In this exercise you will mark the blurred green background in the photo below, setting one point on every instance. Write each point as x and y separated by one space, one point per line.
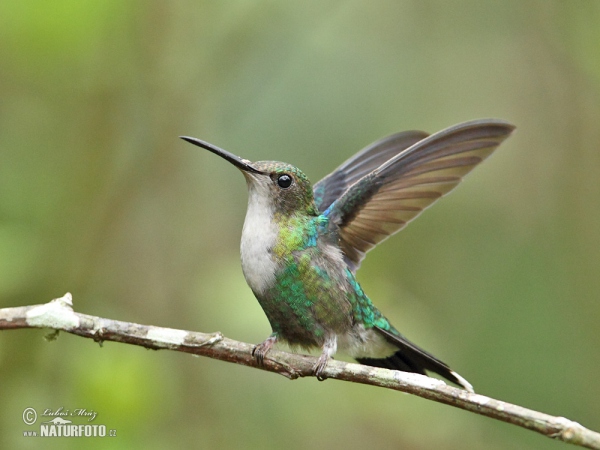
99 197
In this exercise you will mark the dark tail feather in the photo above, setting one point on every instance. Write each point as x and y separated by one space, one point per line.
410 358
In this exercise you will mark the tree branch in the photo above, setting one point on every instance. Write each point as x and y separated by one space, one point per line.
59 315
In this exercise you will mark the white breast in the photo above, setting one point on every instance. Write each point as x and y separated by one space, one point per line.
258 237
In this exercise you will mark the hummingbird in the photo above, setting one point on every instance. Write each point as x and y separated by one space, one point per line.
302 244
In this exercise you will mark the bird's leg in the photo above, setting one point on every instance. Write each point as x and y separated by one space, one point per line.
259 351
329 349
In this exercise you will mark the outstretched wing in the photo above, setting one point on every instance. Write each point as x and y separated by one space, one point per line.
364 162
383 201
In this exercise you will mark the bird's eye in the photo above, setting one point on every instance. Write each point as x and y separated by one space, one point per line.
284 181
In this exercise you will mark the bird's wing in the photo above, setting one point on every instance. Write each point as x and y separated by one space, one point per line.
364 162
383 201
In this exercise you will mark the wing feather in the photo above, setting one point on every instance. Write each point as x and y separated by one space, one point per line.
388 196
364 162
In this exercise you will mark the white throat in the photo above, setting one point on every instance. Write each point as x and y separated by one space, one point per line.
258 236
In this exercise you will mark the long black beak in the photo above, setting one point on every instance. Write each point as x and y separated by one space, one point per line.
240 163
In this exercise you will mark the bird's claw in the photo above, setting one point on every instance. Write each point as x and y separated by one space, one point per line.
320 366
260 350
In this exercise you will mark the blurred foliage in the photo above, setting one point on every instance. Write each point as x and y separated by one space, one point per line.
100 198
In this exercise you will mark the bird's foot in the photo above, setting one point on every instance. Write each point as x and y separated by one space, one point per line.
259 351
320 366
329 348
